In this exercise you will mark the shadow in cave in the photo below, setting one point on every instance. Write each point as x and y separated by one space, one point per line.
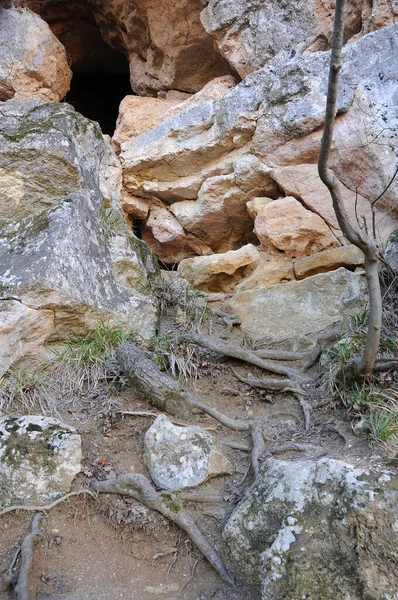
97 96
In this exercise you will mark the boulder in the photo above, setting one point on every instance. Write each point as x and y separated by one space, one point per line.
219 216
182 457
297 308
39 458
66 253
249 34
33 63
303 182
272 268
391 251
167 238
321 529
290 227
328 260
219 272
270 122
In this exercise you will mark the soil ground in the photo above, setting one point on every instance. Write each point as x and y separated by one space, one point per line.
116 549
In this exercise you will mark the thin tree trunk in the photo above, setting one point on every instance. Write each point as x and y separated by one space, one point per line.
362 366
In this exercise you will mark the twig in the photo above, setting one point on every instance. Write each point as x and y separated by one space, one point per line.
22 586
186 584
32 508
138 487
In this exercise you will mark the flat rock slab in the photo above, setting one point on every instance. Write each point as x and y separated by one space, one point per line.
39 458
295 309
317 529
182 457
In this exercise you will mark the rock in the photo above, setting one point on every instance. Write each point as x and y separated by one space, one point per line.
64 245
22 330
273 121
165 43
303 182
39 458
255 206
219 272
272 268
138 114
33 63
219 216
298 308
182 457
288 226
167 239
321 529
328 260
249 34
134 206
391 251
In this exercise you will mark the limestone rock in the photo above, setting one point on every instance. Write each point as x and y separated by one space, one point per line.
288 226
296 529
39 458
134 206
303 182
33 63
166 237
219 272
219 216
391 251
249 34
182 457
22 330
328 260
64 246
297 308
272 268
255 206
274 118
164 42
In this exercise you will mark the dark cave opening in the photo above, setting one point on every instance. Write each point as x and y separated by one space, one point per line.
101 75
97 96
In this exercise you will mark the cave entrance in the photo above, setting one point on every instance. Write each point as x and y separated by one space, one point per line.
101 77
97 96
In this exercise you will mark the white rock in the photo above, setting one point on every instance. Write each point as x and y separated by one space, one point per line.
182 457
39 458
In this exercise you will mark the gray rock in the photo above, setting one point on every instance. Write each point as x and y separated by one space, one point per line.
317 530
64 246
182 457
39 458
297 308
391 251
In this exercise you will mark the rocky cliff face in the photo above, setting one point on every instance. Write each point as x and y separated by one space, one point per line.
217 150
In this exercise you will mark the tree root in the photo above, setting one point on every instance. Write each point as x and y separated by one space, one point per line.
167 504
249 356
228 319
22 586
272 385
31 508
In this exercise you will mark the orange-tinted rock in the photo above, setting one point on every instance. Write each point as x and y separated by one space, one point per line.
328 260
219 272
292 228
33 63
272 269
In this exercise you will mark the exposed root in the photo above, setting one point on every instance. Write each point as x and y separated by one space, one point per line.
258 449
249 356
32 508
385 364
307 411
335 429
228 319
186 584
167 504
22 586
272 385
293 447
